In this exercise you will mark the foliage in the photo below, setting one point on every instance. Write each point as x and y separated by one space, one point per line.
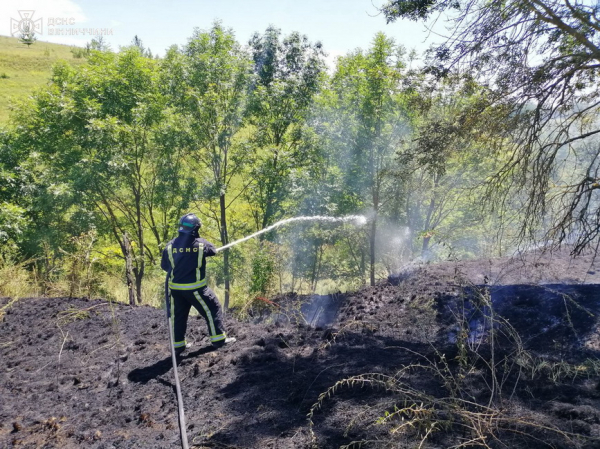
263 271
100 160
446 162
374 121
540 58
122 146
207 83
288 76
27 37
137 42
12 222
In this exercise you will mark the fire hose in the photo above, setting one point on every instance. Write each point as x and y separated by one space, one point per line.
182 430
358 219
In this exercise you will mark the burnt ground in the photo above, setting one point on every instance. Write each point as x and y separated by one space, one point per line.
402 364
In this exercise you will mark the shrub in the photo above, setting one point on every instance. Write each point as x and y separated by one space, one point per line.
263 271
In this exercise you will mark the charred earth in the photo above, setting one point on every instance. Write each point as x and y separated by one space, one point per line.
499 353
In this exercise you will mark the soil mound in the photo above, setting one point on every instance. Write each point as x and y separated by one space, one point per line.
353 367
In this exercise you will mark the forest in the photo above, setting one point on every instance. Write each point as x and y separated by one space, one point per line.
483 147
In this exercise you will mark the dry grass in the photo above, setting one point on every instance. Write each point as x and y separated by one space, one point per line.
16 281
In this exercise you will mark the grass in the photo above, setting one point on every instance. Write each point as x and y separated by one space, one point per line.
16 281
23 69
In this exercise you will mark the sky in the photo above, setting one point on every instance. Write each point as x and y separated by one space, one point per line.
340 25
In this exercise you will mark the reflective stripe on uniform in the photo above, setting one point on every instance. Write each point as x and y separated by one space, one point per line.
218 338
200 254
179 344
172 262
209 317
170 252
193 286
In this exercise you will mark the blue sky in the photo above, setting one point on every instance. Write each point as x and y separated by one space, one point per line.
341 25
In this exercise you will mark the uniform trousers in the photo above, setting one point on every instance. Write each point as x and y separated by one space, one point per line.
206 303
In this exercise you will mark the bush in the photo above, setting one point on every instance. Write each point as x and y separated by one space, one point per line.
79 52
263 271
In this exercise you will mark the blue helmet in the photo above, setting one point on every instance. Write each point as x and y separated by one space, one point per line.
189 224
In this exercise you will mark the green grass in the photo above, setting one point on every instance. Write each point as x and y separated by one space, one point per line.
23 69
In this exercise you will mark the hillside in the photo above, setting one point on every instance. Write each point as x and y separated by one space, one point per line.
24 68
81 373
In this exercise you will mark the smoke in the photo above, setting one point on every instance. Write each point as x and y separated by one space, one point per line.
394 245
321 310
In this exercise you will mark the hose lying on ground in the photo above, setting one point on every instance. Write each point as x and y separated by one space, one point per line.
182 431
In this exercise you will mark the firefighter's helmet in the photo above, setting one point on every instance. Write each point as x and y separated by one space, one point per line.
190 224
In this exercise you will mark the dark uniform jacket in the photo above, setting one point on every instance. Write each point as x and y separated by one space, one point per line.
185 256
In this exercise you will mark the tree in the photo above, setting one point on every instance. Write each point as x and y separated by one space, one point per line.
98 139
288 76
12 181
371 101
542 58
137 42
98 44
207 83
27 37
456 129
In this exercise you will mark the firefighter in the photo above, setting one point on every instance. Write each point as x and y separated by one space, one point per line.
185 258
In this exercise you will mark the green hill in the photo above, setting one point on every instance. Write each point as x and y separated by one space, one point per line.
23 68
